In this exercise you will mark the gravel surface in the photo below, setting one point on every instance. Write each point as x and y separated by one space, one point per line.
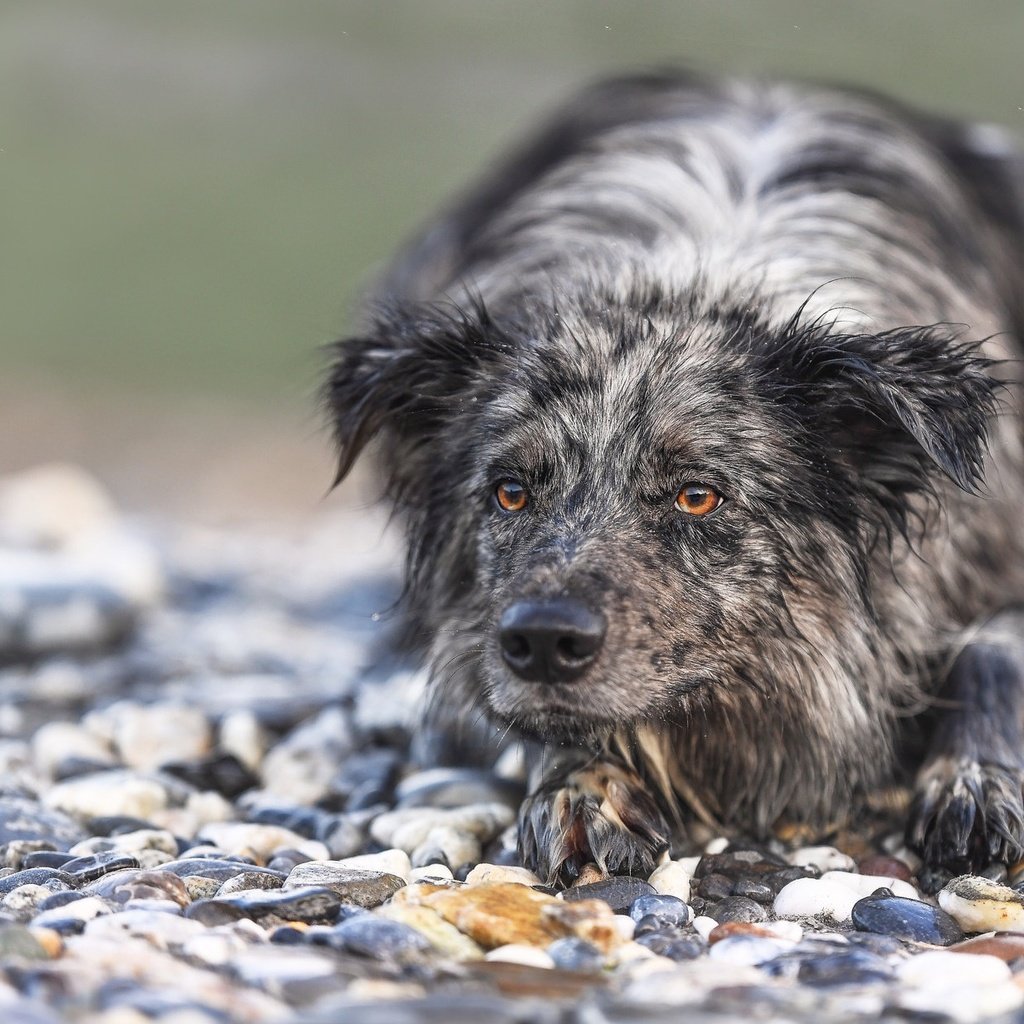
213 808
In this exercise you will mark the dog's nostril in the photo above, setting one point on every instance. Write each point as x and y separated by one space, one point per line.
550 641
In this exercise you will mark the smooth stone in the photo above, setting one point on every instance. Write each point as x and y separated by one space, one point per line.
285 861
714 887
409 827
80 911
757 891
1008 946
435 872
945 968
502 913
573 954
391 862
36 876
55 742
704 926
134 841
129 884
210 867
980 905
160 929
729 929
449 845
116 792
44 859
457 787
906 919
738 864
666 910
674 945
619 892
249 880
748 949
302 766
24 901
366 778
823 858
671 879
360 887
13 854
442 934
19 943
865 885
886 867
778 880
501 873
848 967
260 842
813 897
221 773
739 908
60 899
309 904
87 869
379 938
241 735
23 819
519 954
147 736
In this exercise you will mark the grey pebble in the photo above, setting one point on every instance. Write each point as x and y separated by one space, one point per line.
22 819
377 938
905 919
86 869
307 904
619 892
739 908
574 954
665 910
128 884
353 885
248 880
37 876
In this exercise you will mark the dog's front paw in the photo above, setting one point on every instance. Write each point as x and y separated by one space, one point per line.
967 814
600 813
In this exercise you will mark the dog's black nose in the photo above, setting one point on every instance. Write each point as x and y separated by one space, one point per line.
550 641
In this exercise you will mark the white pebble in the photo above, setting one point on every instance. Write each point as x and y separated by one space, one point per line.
824 858
704 926
431 872
516 953
749 949
865 885
814 897
394 862
242 735
501 873
56 741
717 845
625 926
672 879
964 987
455 845
940 967
980 905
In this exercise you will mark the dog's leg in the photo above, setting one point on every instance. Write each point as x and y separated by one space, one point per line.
590 809
968 809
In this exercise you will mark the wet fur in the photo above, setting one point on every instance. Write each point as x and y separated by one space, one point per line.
809 298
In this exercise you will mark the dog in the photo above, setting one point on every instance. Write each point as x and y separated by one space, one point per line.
702 415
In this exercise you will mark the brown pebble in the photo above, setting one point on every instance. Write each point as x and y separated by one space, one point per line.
49 940
1005 945
885 867
590 873
729 928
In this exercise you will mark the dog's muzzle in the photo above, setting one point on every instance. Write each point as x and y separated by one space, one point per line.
553 641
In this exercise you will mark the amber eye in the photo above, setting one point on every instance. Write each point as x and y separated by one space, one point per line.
697 499
511 495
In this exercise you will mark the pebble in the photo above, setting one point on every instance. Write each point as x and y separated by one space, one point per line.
520 954
89 868
823 858
379 938
748 949
886 867
303 764
906 919
814 897
573 954
442 935
408 828
122 792
865 885
24 819
980 905
146 736
620 892
129 884
392 862
307 904
847 967
449 846
669 911
363 888
671 879
260 842
501 873
739 908
1008 946
55 742
437 872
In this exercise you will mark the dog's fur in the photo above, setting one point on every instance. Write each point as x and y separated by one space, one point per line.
810 299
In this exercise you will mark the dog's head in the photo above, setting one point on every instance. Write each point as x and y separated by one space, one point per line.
625 515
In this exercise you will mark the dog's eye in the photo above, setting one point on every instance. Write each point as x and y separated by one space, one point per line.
510 495
697 499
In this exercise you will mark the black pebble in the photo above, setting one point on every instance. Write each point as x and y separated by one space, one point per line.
45 859
37 876
674 944
739 908
223 773
906 919
753 890
714 887
850 967
620 892
573 954
666 910
87 869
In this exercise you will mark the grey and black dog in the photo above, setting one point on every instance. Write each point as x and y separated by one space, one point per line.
701 412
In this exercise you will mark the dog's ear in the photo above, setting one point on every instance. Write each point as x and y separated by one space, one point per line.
902 404
405 375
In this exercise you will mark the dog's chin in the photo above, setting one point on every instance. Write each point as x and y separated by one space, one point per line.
539 714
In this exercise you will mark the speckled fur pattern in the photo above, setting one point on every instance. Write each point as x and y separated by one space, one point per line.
809 298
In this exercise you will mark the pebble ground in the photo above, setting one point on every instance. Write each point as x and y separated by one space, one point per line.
213 811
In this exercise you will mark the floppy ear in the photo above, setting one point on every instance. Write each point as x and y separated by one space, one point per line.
403 377
902 405
910 401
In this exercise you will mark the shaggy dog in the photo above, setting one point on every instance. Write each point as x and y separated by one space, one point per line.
701 416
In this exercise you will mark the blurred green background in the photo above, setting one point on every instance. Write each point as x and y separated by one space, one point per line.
193 191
